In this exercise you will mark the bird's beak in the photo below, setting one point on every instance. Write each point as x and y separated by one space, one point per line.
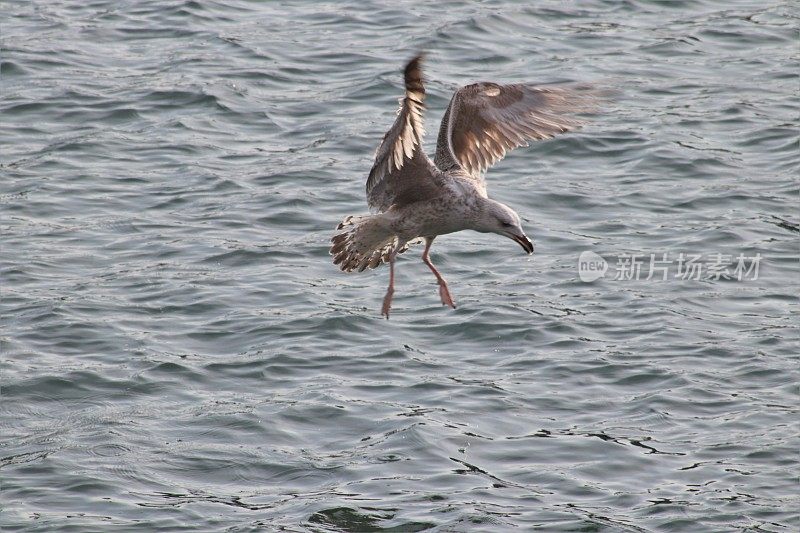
523 241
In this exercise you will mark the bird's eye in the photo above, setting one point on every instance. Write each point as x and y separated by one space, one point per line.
507 224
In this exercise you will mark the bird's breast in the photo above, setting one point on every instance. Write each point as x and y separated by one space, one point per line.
435 217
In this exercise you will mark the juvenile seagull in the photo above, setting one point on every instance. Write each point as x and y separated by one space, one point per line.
414 197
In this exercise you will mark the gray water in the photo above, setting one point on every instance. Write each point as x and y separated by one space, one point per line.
179 353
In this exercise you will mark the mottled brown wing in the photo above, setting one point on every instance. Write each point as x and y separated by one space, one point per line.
485 121
402 173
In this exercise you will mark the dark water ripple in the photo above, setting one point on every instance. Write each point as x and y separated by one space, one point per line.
179 353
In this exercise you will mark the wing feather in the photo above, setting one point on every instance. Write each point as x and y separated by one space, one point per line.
486 120
402 173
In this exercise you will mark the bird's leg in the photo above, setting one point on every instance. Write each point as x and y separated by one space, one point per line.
387 300
444 292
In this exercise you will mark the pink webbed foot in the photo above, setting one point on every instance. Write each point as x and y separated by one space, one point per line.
387 303
444 293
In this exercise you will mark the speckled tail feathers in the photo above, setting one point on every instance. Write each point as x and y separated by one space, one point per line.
365 242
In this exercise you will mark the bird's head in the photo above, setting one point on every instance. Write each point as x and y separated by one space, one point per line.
501 219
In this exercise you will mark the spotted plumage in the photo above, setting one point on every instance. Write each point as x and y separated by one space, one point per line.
415 198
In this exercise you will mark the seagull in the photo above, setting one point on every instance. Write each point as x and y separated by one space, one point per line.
415 199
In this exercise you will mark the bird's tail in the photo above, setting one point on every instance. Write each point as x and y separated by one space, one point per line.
365 242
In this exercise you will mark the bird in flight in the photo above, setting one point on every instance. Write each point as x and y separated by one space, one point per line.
414 198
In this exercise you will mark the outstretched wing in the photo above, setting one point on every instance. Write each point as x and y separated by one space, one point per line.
402 173
485 121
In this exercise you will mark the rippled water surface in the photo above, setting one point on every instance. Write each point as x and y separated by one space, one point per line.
179 353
